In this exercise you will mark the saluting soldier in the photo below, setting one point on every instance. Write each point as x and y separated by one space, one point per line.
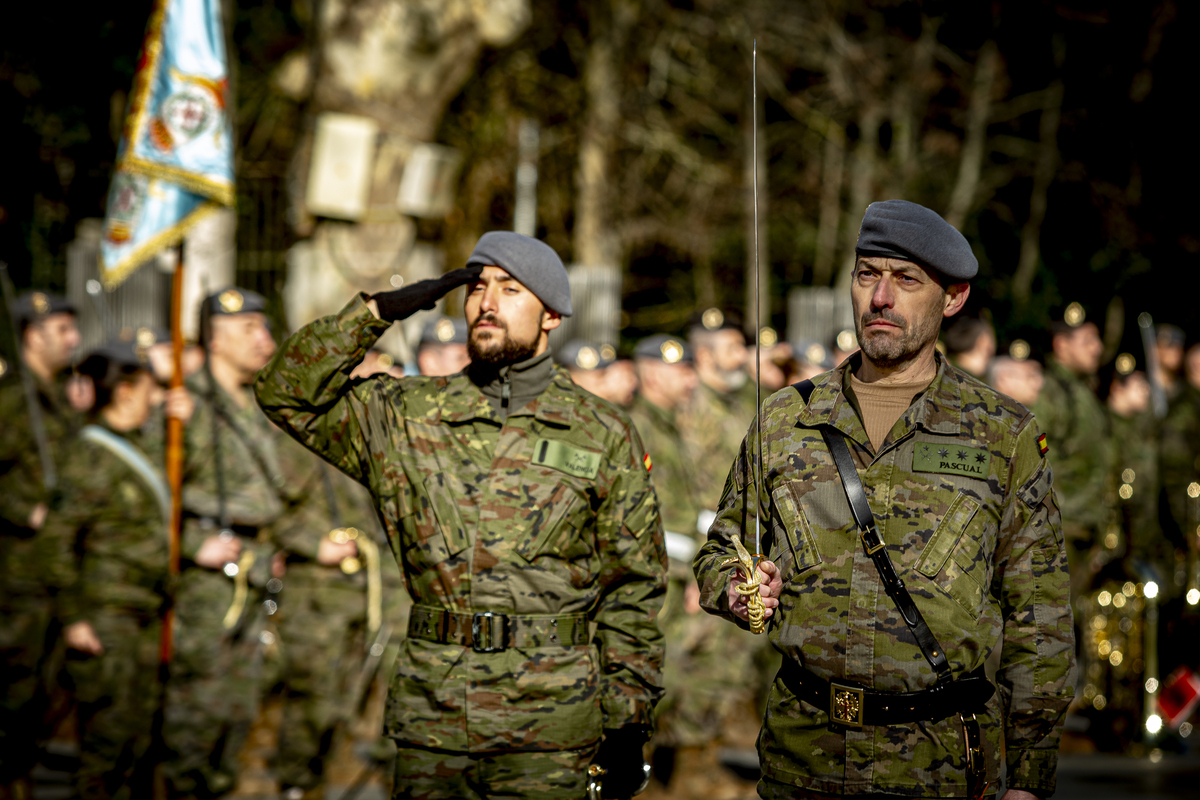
109 547
232 496
521 511
916 557
48 338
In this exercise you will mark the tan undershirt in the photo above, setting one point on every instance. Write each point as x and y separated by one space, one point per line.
882 404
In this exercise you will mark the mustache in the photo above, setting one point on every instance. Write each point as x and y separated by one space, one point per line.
886 316
491 318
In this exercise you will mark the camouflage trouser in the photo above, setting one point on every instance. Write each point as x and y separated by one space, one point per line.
322 629
213 691
118 695
24 630
423 774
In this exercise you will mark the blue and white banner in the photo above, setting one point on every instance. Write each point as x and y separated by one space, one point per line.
175 161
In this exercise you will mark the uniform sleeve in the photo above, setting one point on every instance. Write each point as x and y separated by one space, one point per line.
1036 676
21 488
306 389
735 514
84 498
634 575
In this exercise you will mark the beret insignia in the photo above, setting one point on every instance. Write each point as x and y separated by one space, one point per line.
672 352
587 358
40 303
231 301
444 330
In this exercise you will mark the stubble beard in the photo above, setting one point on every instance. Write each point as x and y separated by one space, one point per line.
496 347
887 350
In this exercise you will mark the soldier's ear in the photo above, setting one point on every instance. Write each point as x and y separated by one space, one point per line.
956 298
550 319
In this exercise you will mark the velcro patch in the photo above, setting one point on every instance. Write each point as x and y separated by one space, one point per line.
950 458
1043 448
565 458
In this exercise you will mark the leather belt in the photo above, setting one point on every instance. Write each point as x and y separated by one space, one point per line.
851 705
492 632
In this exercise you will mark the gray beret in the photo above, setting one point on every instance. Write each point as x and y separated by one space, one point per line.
666 349
444 330
34 306
587 356
533 263
900 229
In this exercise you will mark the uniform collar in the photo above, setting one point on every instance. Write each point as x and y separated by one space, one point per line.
938 409
460 400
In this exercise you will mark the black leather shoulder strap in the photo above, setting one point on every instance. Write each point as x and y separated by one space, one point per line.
892 584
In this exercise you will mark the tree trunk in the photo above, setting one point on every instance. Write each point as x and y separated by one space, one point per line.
833 158
1043 176
971 162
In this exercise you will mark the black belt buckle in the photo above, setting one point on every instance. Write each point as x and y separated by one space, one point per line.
846 705
483 626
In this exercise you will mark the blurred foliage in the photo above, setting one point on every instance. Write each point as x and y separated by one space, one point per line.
889 83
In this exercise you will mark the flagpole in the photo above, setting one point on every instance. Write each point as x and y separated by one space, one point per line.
174 455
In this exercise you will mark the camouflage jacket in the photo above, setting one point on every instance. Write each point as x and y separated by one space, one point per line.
962 497
713 424
672 466
548 514
109 545
1136 446
21 487
1077 425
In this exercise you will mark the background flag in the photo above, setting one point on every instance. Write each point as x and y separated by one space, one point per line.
175 162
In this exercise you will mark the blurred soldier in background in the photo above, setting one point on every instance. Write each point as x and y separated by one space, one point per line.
1019 378
1136 444
622 382
331 609
231 498
1078 431
970 345
703 665
1179 470
723 406
110 551
48 338
443 347
1169 341
594 368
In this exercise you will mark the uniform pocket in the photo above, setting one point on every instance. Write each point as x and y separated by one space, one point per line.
797 546
951 558
555 529
442 489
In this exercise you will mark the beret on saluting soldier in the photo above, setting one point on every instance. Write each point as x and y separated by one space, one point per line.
587 356
900 229
532 262
664 348
33 306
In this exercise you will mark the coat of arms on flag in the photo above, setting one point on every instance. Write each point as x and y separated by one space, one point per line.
175 161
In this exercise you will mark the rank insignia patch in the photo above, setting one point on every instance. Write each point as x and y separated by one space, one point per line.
951 459
1043 448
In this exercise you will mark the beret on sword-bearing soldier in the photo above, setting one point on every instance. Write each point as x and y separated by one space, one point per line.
521 512
897 481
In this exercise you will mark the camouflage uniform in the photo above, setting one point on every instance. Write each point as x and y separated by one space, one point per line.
547 518
1180 459
981 554
1077 425
213 691
323 614
1136 446
111 549
25 604
713 424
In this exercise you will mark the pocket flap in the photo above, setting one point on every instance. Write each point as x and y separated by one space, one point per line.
442 493
946 537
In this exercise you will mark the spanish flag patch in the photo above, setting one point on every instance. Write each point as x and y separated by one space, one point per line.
1043 448
647 462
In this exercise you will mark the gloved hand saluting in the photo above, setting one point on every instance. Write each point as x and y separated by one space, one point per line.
620 756
402 303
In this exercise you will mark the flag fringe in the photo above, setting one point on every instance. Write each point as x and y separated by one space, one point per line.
112 278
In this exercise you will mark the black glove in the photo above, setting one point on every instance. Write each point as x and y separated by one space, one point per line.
620 754
402 303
